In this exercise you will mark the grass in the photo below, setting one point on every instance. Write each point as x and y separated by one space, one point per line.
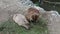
10 27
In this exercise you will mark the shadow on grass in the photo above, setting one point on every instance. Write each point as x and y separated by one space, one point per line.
12 28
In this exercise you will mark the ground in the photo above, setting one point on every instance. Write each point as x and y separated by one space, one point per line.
10 27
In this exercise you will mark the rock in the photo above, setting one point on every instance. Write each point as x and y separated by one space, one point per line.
10 7
53 18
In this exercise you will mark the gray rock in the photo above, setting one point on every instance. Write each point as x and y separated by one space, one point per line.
10 7
53 18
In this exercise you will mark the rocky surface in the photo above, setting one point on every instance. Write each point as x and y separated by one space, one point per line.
10 7
53 18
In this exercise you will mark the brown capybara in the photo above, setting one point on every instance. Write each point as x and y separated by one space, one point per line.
32 14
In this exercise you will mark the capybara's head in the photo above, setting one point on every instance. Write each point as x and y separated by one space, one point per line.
32 14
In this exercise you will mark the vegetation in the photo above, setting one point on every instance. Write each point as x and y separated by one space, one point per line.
50 6
10 27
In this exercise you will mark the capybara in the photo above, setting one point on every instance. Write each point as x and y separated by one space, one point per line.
32 14
21 20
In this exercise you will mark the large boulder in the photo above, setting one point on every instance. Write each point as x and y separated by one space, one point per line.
10 7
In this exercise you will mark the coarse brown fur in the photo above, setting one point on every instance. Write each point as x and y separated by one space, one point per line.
32 14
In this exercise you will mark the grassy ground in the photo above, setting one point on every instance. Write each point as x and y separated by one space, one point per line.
10 27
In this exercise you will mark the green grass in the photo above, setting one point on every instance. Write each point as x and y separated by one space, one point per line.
10 27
